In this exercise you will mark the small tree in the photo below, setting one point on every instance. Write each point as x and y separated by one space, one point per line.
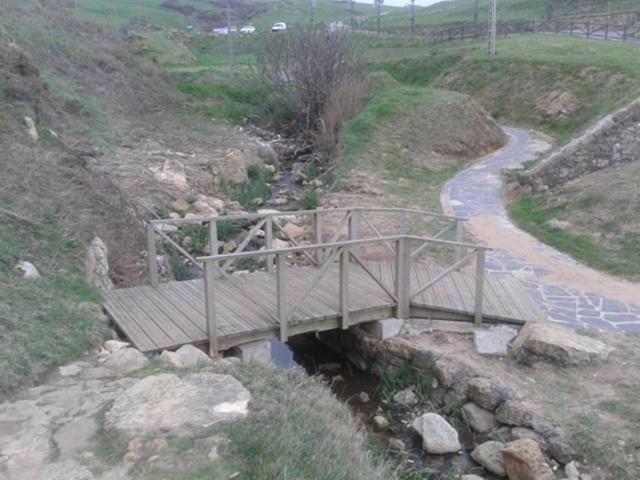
302 69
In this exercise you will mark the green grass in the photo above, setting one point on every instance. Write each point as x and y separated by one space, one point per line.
532 215
45 322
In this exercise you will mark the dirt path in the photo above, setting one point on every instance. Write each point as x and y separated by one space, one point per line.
569 292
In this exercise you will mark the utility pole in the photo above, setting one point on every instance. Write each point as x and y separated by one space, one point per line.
475 14
232 65
549 10
378 7
351 19
413 16
492 27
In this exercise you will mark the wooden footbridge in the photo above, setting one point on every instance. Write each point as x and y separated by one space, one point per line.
353 266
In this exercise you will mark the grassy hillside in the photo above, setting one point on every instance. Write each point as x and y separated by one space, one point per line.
521 85
462 11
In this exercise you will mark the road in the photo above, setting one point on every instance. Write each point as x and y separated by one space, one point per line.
569 292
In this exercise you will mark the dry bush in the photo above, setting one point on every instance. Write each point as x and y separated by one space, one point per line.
303 69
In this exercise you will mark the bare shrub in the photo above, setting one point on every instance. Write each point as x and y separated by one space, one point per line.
305 70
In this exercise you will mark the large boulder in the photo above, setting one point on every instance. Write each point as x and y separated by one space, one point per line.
233 166
479 419
523 460
186 356
489 455
172 173
437 435
125 360
167 402
97 265
549 342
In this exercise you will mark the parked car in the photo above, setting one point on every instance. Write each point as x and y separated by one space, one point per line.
225 30
248 30
279 27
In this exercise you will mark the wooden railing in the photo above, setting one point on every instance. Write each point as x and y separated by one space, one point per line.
348 223
345 254
620 27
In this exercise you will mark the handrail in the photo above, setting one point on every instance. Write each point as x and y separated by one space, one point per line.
255 216
343 243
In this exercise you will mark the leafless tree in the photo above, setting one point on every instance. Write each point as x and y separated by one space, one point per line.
303 67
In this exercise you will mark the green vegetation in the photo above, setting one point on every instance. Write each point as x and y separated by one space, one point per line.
309 200
252 194
533 215
393 381
44 322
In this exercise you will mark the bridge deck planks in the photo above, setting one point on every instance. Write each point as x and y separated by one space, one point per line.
174 314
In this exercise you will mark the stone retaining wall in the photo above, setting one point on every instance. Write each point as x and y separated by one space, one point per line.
614 140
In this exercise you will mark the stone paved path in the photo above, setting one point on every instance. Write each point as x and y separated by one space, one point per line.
567 291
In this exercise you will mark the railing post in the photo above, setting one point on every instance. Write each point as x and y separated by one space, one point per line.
480 259
210 307
317 235
624 33
354 227
281 285
459 234
403 272
152 256
344 287
403 223
268 234
606 31
213 239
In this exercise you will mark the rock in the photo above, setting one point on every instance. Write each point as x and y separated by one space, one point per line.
135 450
168 227
278 244
560 449
270 168
494 340
66 470
259 352
230 246
293 231
559 224
357 360
549 342
125 360
479 419
489 455
380 422
28 269
558 104
397 444
258 201
571 471
75 436
166 402
481 391
523 460
172 173
113 345
180 205
406 398
363 397
520 414
216 203
280 200
383 329
471 477
186 356
518 433
31 128
97 265
202 208
438 436
69 370
233 167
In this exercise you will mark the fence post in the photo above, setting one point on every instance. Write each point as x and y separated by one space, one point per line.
269 242
571 28
152 257
624 33
480 259
317 235
606 30
403 271
588 28
403 223
344 287
281 285
459 235
210 307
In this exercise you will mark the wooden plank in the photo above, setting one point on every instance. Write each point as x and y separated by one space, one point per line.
164 301
147 323
128 324
163 321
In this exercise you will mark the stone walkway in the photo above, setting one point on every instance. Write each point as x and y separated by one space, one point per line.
570 293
